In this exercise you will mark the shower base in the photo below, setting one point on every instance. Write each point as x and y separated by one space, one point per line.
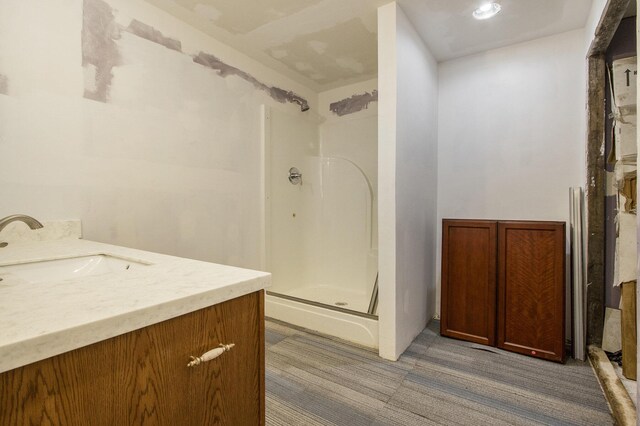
333 296
352 327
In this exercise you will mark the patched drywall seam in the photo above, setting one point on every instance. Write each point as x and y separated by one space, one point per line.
100 54
354 103
99 49
225 70
149 33
4 85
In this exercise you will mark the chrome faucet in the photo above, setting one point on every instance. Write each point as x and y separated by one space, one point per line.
31 222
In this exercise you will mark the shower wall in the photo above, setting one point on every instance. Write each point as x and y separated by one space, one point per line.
347 229
321 234
292 225
354 133
349 136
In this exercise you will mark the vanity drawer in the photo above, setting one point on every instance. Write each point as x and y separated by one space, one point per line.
142 377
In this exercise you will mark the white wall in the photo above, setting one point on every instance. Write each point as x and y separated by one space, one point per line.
170 163
511 132
407 167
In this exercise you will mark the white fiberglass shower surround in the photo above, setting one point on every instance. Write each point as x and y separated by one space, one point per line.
321 222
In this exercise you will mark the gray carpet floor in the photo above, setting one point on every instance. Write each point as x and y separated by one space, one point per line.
315 380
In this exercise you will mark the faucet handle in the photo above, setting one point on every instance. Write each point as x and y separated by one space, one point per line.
295 177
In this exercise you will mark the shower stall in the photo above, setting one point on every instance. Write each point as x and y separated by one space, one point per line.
321 223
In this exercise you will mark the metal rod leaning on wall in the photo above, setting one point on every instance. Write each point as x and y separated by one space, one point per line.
577 272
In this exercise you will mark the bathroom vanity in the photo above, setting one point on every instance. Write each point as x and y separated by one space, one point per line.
112 346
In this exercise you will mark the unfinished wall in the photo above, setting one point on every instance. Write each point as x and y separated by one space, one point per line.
638 219
511 131
623 121
407 176
149 131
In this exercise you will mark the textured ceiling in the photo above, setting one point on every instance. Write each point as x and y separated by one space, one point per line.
328 43
240 17
320 43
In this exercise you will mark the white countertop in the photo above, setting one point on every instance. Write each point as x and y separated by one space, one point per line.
43 319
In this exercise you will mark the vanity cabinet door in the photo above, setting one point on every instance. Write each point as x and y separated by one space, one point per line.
142 377
531 292
469 280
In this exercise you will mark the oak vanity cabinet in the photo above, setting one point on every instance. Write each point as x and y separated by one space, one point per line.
142 377
503 285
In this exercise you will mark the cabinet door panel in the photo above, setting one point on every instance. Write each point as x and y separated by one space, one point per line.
531 276
468 305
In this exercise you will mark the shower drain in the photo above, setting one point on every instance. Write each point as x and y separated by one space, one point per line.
341 303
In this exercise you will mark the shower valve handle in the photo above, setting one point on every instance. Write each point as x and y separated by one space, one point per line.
295 177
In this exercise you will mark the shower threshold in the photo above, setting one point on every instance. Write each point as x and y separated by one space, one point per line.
347 324
336 306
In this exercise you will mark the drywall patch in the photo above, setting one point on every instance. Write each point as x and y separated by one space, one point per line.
350 64
284 96
99 49
100 54
225 70
207 11
318 46
149 33
343 52
354 103
4 85
242 17
278 53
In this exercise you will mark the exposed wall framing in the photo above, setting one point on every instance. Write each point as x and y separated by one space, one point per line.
595 186
595 194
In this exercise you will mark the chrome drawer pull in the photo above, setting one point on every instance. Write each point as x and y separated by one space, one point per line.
212 354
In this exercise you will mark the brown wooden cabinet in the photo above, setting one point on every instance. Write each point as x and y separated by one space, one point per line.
142 377
468 296
503 285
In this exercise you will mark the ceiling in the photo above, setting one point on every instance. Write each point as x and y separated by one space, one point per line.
450 32
329 43
319 43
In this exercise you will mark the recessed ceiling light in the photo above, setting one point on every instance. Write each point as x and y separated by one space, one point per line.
486 11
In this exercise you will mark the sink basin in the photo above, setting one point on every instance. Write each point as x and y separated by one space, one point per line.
73 267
